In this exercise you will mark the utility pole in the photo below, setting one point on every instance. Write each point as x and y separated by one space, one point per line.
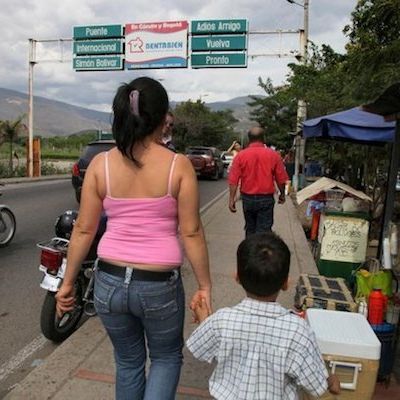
32 61
301 104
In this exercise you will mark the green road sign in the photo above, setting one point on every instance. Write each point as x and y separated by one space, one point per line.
218 26
100 63
218 60
97 31
104 135
110 46
218 43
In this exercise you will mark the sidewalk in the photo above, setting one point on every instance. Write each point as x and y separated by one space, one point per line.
82 368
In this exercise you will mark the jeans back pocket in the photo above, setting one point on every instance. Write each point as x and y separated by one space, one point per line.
102 294
160 302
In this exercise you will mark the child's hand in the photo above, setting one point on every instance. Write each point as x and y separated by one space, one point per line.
200 311
333 384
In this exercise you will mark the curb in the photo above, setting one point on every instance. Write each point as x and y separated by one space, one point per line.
7 181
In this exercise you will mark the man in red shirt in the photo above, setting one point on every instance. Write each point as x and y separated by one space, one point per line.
257 168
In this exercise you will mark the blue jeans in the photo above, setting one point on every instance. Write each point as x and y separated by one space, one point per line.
134 312
258 210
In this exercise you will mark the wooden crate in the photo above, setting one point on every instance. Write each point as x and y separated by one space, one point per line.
317 291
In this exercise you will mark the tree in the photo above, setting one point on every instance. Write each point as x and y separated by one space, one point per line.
330 82
276 113
374 47
196 124
9 132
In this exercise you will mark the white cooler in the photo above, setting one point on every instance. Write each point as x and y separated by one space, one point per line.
350 349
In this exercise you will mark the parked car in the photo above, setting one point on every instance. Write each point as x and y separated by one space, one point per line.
79 168
206 161
227 158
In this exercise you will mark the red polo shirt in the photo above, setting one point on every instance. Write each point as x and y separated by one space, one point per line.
257 168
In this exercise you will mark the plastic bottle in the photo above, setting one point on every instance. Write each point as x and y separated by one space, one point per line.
363 308
393 241
387 264
376 307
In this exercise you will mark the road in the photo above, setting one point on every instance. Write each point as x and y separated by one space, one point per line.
36 206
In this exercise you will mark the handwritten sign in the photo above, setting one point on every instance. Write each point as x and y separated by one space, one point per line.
344 239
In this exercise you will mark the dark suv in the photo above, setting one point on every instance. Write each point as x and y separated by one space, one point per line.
79 168
206 161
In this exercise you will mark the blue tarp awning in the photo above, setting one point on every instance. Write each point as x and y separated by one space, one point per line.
353 125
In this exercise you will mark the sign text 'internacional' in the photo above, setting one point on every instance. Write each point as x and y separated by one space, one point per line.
108 46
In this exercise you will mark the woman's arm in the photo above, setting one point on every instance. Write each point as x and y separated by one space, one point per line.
231 146
83 233
191 230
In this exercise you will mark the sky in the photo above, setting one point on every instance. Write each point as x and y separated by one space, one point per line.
56 80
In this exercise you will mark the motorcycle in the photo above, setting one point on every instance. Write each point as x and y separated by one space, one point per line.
7 224
53 261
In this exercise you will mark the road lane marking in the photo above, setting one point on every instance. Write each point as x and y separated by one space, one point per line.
211 202
15 362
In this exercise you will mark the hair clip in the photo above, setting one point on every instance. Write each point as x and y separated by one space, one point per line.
134 102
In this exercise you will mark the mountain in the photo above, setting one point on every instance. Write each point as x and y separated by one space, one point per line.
56 118
51 117
240 108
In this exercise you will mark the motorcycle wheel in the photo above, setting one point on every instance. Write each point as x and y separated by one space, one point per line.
58 329
7 226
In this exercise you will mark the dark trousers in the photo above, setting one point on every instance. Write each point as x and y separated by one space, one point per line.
258 212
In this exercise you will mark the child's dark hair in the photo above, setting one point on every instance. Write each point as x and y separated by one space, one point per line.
139 108
263 261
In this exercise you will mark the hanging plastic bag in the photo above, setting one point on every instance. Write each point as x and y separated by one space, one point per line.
366 281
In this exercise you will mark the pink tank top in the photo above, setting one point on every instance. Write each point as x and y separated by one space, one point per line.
141 230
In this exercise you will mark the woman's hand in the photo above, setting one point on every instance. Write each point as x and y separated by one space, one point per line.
201 296
65 298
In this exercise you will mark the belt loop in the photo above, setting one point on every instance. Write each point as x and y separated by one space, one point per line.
128 275
96 265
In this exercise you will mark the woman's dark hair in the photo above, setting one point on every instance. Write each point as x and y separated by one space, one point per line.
263 261
132 123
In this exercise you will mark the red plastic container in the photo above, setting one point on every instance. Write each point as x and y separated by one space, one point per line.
376 307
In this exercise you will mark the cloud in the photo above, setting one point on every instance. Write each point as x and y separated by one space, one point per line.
39 19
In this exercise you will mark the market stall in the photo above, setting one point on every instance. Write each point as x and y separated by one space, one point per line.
378 292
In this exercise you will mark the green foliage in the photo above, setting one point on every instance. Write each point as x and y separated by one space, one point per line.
322 82
331 82
9 132
196 124
66 146
48 168
374 48
276 113
20 170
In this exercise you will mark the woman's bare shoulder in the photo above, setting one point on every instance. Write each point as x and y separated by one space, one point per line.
183 163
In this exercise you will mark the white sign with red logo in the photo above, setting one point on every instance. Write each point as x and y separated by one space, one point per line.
156 45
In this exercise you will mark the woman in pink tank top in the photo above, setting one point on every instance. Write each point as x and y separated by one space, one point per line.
150 197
